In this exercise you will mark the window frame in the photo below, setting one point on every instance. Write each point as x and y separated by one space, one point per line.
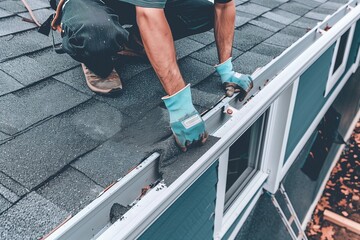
248 194
333 77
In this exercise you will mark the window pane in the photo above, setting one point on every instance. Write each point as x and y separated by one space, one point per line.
243 160
341 50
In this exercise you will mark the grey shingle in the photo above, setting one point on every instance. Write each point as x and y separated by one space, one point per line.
209 56
304 22
3 136
12 185
82 191
130 67
294 31
8 84
211 85
8 194
4 13
26 70
267 3
204 38
296 8
331 5
12 6
53 62
268 49
252 8
4 203
34 156
316 15
281 39
31 105
126 149
267 24
250 61
242 18
76 79
186 46
204 99
14 24
30 218
194 71
309 3
248 36
281 16
22 43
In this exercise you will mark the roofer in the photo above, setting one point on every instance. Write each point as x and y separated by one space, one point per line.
93 33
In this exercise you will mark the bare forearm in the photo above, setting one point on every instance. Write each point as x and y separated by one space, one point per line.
159 46
224 29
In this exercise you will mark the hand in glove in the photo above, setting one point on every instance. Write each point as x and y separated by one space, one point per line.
234 82
186 123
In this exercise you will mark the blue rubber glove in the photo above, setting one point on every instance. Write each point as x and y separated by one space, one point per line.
186 123
234 82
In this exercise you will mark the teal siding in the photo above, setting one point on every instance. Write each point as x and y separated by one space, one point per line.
310 98
191 216
354 47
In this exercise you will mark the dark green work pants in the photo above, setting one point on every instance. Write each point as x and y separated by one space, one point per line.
93 29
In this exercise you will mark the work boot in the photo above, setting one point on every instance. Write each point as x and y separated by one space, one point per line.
110 84
134 47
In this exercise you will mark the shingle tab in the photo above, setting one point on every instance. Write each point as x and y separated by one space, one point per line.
296 8
186 46
249 62
194 71
82 191
281 39
204 38
4 204
30 218
209 55
54 62
268 49
267 24
14 24
34 156
12 6
76 79
12 185
8 84
252 8
267 3
4 13
47 98
294 31
304 22
248 36
8 194
316 15
281 16
25 70
23 43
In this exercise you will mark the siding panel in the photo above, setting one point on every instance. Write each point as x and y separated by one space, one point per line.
309 99
191 215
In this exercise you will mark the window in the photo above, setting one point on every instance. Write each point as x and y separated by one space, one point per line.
244 160
339 60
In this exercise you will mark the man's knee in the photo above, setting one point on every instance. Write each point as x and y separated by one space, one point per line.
91 31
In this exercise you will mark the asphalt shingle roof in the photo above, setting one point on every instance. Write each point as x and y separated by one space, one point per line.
61 144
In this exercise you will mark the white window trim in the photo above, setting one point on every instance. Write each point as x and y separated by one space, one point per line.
223 221
334 77
357 62
281 111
